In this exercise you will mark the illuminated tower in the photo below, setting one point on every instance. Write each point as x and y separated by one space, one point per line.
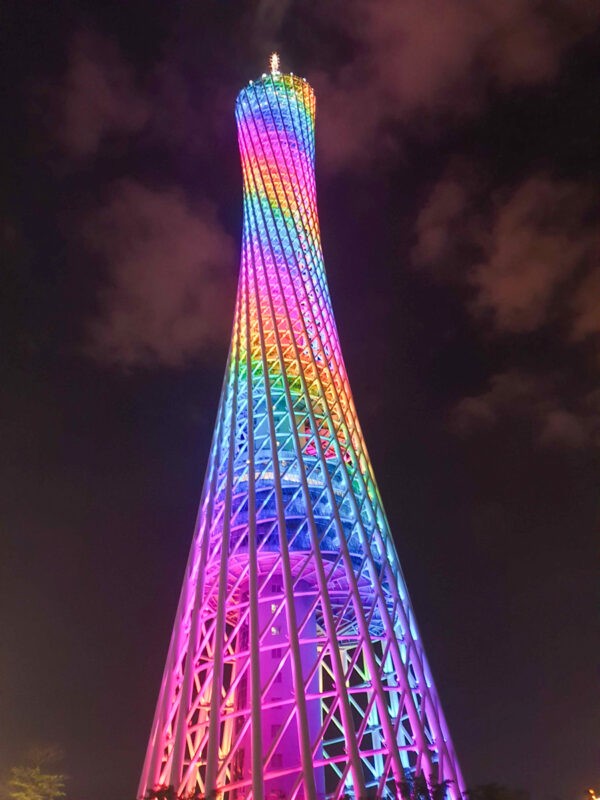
295 668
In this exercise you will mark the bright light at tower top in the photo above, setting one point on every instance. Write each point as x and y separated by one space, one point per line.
274 63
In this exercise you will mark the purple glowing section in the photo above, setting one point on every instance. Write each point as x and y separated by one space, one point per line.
295 668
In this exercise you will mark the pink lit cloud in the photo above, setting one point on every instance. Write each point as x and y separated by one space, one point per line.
98 97
167 288
416 61
169 267
528 256
432 61
527 261
413 61
585 305
539 239
537 401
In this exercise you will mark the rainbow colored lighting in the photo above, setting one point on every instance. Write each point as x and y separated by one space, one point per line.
295 667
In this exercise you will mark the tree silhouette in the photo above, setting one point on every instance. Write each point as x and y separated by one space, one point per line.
417 788
33 780
162 793
495 791
169 793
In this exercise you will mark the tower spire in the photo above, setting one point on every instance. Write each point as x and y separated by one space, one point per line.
295 668
274 63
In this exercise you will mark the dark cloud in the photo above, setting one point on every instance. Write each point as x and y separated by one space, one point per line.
585 304
537 399
410 58
539 238
98 97
169 278
423 58
451 207
532 251
168 266
527 261
411 61
268 20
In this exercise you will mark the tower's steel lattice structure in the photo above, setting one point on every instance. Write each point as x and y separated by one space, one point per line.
295 669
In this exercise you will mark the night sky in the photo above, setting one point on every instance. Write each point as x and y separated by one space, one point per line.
457 171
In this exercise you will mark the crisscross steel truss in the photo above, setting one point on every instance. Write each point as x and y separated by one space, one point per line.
295 667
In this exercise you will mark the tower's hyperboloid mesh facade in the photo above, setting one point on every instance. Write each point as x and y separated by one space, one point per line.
295 668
